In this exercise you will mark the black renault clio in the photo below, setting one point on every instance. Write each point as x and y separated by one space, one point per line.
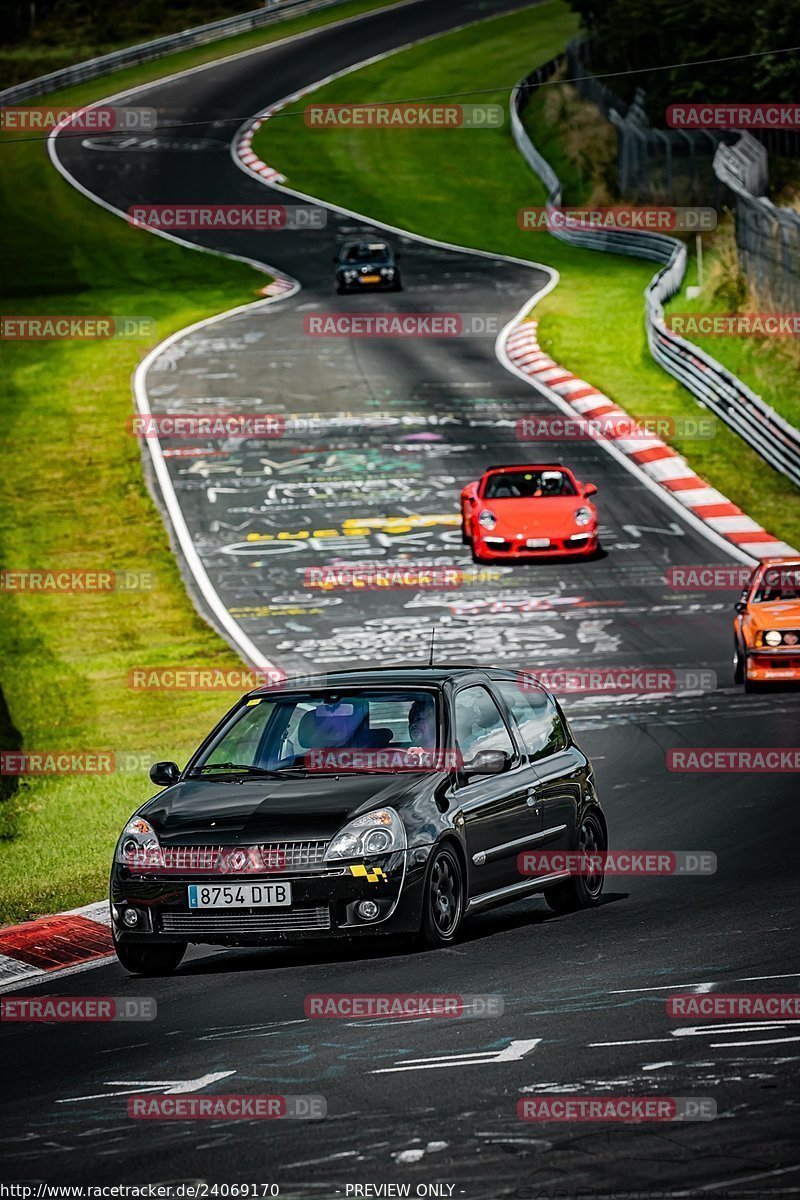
385 801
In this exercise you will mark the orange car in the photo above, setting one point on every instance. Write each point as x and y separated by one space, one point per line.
766 628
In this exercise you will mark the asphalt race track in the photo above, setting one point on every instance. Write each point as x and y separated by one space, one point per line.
383 430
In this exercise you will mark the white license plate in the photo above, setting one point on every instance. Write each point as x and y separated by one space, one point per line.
240 895
537 543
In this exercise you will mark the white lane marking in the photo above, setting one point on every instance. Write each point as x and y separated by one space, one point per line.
762 1042
636 531
633 1042
755 978
720 1027
313 1162
170 1087
657 1066
709 1187
662 987
237 636
702 987
513 1052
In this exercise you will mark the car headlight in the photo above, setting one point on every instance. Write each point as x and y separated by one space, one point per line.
387 272
772 637
351 274
487 519
378 832
582 515
138 845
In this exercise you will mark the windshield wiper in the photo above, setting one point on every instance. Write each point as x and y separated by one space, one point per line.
238 767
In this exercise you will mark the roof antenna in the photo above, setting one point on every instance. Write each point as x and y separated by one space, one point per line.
430 656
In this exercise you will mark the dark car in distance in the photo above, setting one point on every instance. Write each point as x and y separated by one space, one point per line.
367 266
383 801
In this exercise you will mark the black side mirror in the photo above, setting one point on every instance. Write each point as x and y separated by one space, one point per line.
164 774
590 489
335 258
486 762
397 257
741 606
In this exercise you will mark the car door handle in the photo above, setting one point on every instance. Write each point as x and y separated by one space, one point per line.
532 799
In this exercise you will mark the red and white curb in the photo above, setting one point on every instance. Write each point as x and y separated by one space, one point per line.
664 466
243 147
279 287
31 951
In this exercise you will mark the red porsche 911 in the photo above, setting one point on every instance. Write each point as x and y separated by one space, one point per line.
523 512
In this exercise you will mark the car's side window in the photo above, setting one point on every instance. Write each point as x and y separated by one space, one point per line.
537 717
479 724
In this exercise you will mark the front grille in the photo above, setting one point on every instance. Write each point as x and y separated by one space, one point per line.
318 917
240 860
297 854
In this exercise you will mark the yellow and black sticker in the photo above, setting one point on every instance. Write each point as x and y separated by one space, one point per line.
371 874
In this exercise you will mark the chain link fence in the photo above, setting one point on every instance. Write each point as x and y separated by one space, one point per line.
720 168
654 166
767 238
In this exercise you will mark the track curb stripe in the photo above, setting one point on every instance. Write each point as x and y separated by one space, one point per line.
35 948
664 465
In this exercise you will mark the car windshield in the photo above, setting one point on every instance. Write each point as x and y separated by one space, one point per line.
282 733
377 252
778 583
528 485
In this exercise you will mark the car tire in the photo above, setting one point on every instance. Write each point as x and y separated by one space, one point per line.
581 891
738 664
753 685
150 960
397 286
466 540
340 291
443 899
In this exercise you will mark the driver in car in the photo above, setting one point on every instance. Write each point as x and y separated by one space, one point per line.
422 726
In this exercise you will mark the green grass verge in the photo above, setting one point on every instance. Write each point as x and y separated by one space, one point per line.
72 495
466 186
